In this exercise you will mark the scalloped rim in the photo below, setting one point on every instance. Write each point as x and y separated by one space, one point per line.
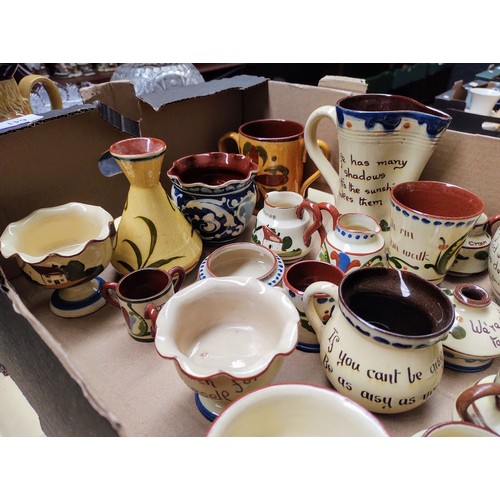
167 348
8 250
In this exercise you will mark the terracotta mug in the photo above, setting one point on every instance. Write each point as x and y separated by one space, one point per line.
430 221
140 289
277 146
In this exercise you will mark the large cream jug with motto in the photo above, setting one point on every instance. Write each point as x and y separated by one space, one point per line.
382 345
383 140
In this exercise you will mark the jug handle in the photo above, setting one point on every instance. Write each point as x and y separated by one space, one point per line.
221 144
314 150
307 182
334 214
323 287
470 395
29 81
151 312
315 225
491 222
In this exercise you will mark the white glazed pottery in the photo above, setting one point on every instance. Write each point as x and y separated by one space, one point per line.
227 336
383 140
287 223
356 241
382 346
494 262
296 410
483 100
64 248
473 342
243 259
455 429
472 258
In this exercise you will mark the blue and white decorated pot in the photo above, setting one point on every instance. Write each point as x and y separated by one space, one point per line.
216 192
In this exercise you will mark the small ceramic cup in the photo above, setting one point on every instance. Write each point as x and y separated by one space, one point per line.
456 429
295 410
296 279
430 221
138 289
483 100
243 259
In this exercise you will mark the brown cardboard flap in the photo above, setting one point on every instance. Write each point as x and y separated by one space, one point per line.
344 83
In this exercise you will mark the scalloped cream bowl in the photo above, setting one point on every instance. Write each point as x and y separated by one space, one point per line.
227 336
64 248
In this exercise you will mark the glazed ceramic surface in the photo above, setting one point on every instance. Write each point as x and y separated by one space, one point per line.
227 336
472 258
382 346
15 98
277 146
480 404
65 248
297 278
152 231
296 410
356 241
243 259
473 342
483 100
139 289
494 263
287 223
216 192
456 429
430 221
383 140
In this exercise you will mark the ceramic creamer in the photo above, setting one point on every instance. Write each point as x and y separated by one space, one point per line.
356 241
287 223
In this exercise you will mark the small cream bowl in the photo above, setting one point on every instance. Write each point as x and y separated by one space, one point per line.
227 336
64 248
244 259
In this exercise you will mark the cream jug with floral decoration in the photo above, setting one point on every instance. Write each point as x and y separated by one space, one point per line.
152 231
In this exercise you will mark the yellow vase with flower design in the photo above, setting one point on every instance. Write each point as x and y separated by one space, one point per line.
152 231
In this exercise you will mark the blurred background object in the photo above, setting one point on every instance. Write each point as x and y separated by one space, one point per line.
148 78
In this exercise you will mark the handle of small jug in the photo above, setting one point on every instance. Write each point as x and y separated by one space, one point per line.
470 395
491 222
323 287
234 136
108 291
177 274
334 214
325 148
151 312
29 81
314 150
315 224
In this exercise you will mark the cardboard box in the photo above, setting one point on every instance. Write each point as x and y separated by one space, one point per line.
86 376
